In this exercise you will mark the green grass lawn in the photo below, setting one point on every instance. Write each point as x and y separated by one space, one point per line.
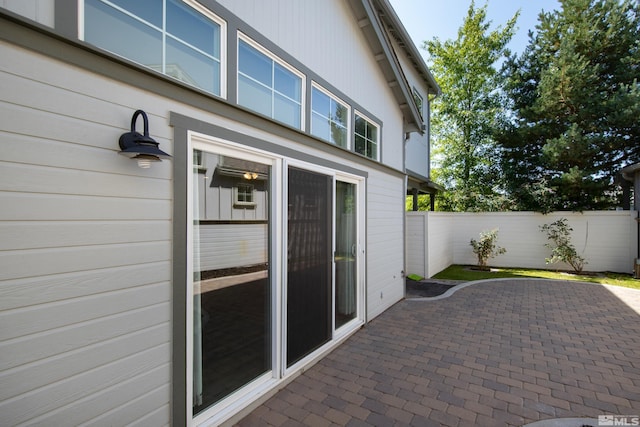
462 272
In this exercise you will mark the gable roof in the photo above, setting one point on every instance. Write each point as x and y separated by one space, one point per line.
378 21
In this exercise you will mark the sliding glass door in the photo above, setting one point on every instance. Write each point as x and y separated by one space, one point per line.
322 259
346 252
308 262
273 276
232 331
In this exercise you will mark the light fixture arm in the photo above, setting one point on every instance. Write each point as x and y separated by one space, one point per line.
145 121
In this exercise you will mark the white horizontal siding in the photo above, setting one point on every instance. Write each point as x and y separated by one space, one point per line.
59 314
39 262
54 343
159 417
56 207
132 375
385 243
143 401
18 293
51 234
85 250
222 245
23 178
33 375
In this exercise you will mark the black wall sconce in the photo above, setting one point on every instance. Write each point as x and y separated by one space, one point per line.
139 147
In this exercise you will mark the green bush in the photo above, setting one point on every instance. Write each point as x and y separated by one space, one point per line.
562 250
486 247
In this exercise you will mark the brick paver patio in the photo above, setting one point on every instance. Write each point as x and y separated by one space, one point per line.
499 353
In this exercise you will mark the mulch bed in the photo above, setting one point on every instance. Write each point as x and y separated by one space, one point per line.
425 288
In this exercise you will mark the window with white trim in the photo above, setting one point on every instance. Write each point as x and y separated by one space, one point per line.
269 86
263 298
178 38
366 137
329 117
243 195
417 98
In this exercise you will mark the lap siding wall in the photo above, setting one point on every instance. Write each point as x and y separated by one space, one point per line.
86 248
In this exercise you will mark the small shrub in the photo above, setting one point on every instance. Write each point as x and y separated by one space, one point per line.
562 250
486 247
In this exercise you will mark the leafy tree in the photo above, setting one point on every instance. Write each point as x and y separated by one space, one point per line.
424 202
468 112
576 99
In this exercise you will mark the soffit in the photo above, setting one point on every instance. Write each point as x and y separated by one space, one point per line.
377 21
397 30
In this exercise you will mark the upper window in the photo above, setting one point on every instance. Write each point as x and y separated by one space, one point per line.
329 117
367 138
269 86
178 38
418 100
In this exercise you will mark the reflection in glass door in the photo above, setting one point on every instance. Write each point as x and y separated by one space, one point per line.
308 262
232 332
346 253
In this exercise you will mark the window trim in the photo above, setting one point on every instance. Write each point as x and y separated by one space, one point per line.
207 13
237 400
336 335
274 58
236 193
417 95
198 162
279 161
316 85
357 114
361 288
223 42
229 86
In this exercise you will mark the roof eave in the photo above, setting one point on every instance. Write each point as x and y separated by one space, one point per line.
406 43
422 183
368 18
629 171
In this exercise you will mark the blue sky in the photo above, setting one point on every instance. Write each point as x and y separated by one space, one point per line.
426 19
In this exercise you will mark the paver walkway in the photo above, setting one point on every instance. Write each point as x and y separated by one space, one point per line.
499 353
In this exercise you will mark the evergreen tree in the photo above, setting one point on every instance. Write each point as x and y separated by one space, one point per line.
576 100
467 113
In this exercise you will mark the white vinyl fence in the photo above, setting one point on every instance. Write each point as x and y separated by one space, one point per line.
435 240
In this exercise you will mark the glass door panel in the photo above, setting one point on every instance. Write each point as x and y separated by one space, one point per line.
309 268
232 331
346 235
